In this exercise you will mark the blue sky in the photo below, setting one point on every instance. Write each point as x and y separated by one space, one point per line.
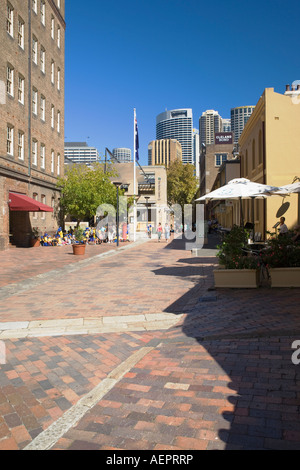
154 55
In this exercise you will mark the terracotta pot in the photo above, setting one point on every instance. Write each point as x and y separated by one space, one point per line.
78 249
35 242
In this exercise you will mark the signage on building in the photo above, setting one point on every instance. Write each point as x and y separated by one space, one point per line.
223 138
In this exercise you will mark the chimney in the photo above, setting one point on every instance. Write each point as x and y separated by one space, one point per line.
287 87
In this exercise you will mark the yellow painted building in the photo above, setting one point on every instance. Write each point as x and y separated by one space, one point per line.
270 154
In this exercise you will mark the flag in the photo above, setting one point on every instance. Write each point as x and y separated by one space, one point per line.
136 141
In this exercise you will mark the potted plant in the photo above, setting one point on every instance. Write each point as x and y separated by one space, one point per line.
79 242
35 239
238 268
282 258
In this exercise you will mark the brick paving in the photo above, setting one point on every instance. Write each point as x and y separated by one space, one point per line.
221 378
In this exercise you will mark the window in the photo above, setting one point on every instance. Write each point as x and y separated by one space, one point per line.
21 145
21 33
58 37
58 121
10 140
43 108
35 197
58 3
58 79
43 201
220 158
34 6
52 161
43 12
34 152
10 20
52 27
34 101
43 155
10 80
21 84
43 60
58 164
52 116
34 49
52 71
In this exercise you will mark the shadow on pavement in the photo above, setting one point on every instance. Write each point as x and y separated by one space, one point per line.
246 350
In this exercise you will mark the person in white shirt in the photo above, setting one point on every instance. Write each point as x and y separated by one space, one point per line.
283 228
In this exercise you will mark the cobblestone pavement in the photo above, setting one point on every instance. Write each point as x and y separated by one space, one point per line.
133 349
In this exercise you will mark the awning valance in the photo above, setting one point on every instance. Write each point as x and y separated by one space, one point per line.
20 202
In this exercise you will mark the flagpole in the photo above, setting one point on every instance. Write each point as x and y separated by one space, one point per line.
134 176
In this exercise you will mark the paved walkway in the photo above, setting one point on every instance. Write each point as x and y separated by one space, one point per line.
131 348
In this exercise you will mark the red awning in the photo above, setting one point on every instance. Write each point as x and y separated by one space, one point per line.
20 202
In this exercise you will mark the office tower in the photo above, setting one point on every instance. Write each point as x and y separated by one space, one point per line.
80 153
164 152
226 125
177 124
122 155
32 64
209 123
239 118
196 151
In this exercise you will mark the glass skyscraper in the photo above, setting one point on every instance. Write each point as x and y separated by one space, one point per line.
177 124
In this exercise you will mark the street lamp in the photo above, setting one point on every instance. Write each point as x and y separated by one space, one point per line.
117 184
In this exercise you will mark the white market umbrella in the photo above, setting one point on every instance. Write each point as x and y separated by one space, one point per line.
240 188
288 189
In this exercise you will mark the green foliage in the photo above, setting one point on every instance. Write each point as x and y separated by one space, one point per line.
83 189
181 183
231 252
281 252
79 234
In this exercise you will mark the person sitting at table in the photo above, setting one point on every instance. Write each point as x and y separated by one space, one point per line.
283 230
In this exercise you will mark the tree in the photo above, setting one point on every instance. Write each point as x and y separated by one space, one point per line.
181 183
84 188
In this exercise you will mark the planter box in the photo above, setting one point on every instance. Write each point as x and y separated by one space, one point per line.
285 277
236 278
78 249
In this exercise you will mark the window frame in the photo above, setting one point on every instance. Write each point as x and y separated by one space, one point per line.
21 33
10 140
10 19
21 145
10 80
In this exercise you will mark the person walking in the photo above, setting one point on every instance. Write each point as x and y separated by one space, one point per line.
167 232
159 231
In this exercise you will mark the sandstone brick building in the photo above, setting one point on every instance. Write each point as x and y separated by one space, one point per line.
164 152
32 38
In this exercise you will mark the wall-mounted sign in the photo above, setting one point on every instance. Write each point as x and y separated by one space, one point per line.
223 138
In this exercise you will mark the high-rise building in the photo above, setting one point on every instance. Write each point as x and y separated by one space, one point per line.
122 155
32 64
239 118
177 124
226 125
196 151
209 123
164 152
80 153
